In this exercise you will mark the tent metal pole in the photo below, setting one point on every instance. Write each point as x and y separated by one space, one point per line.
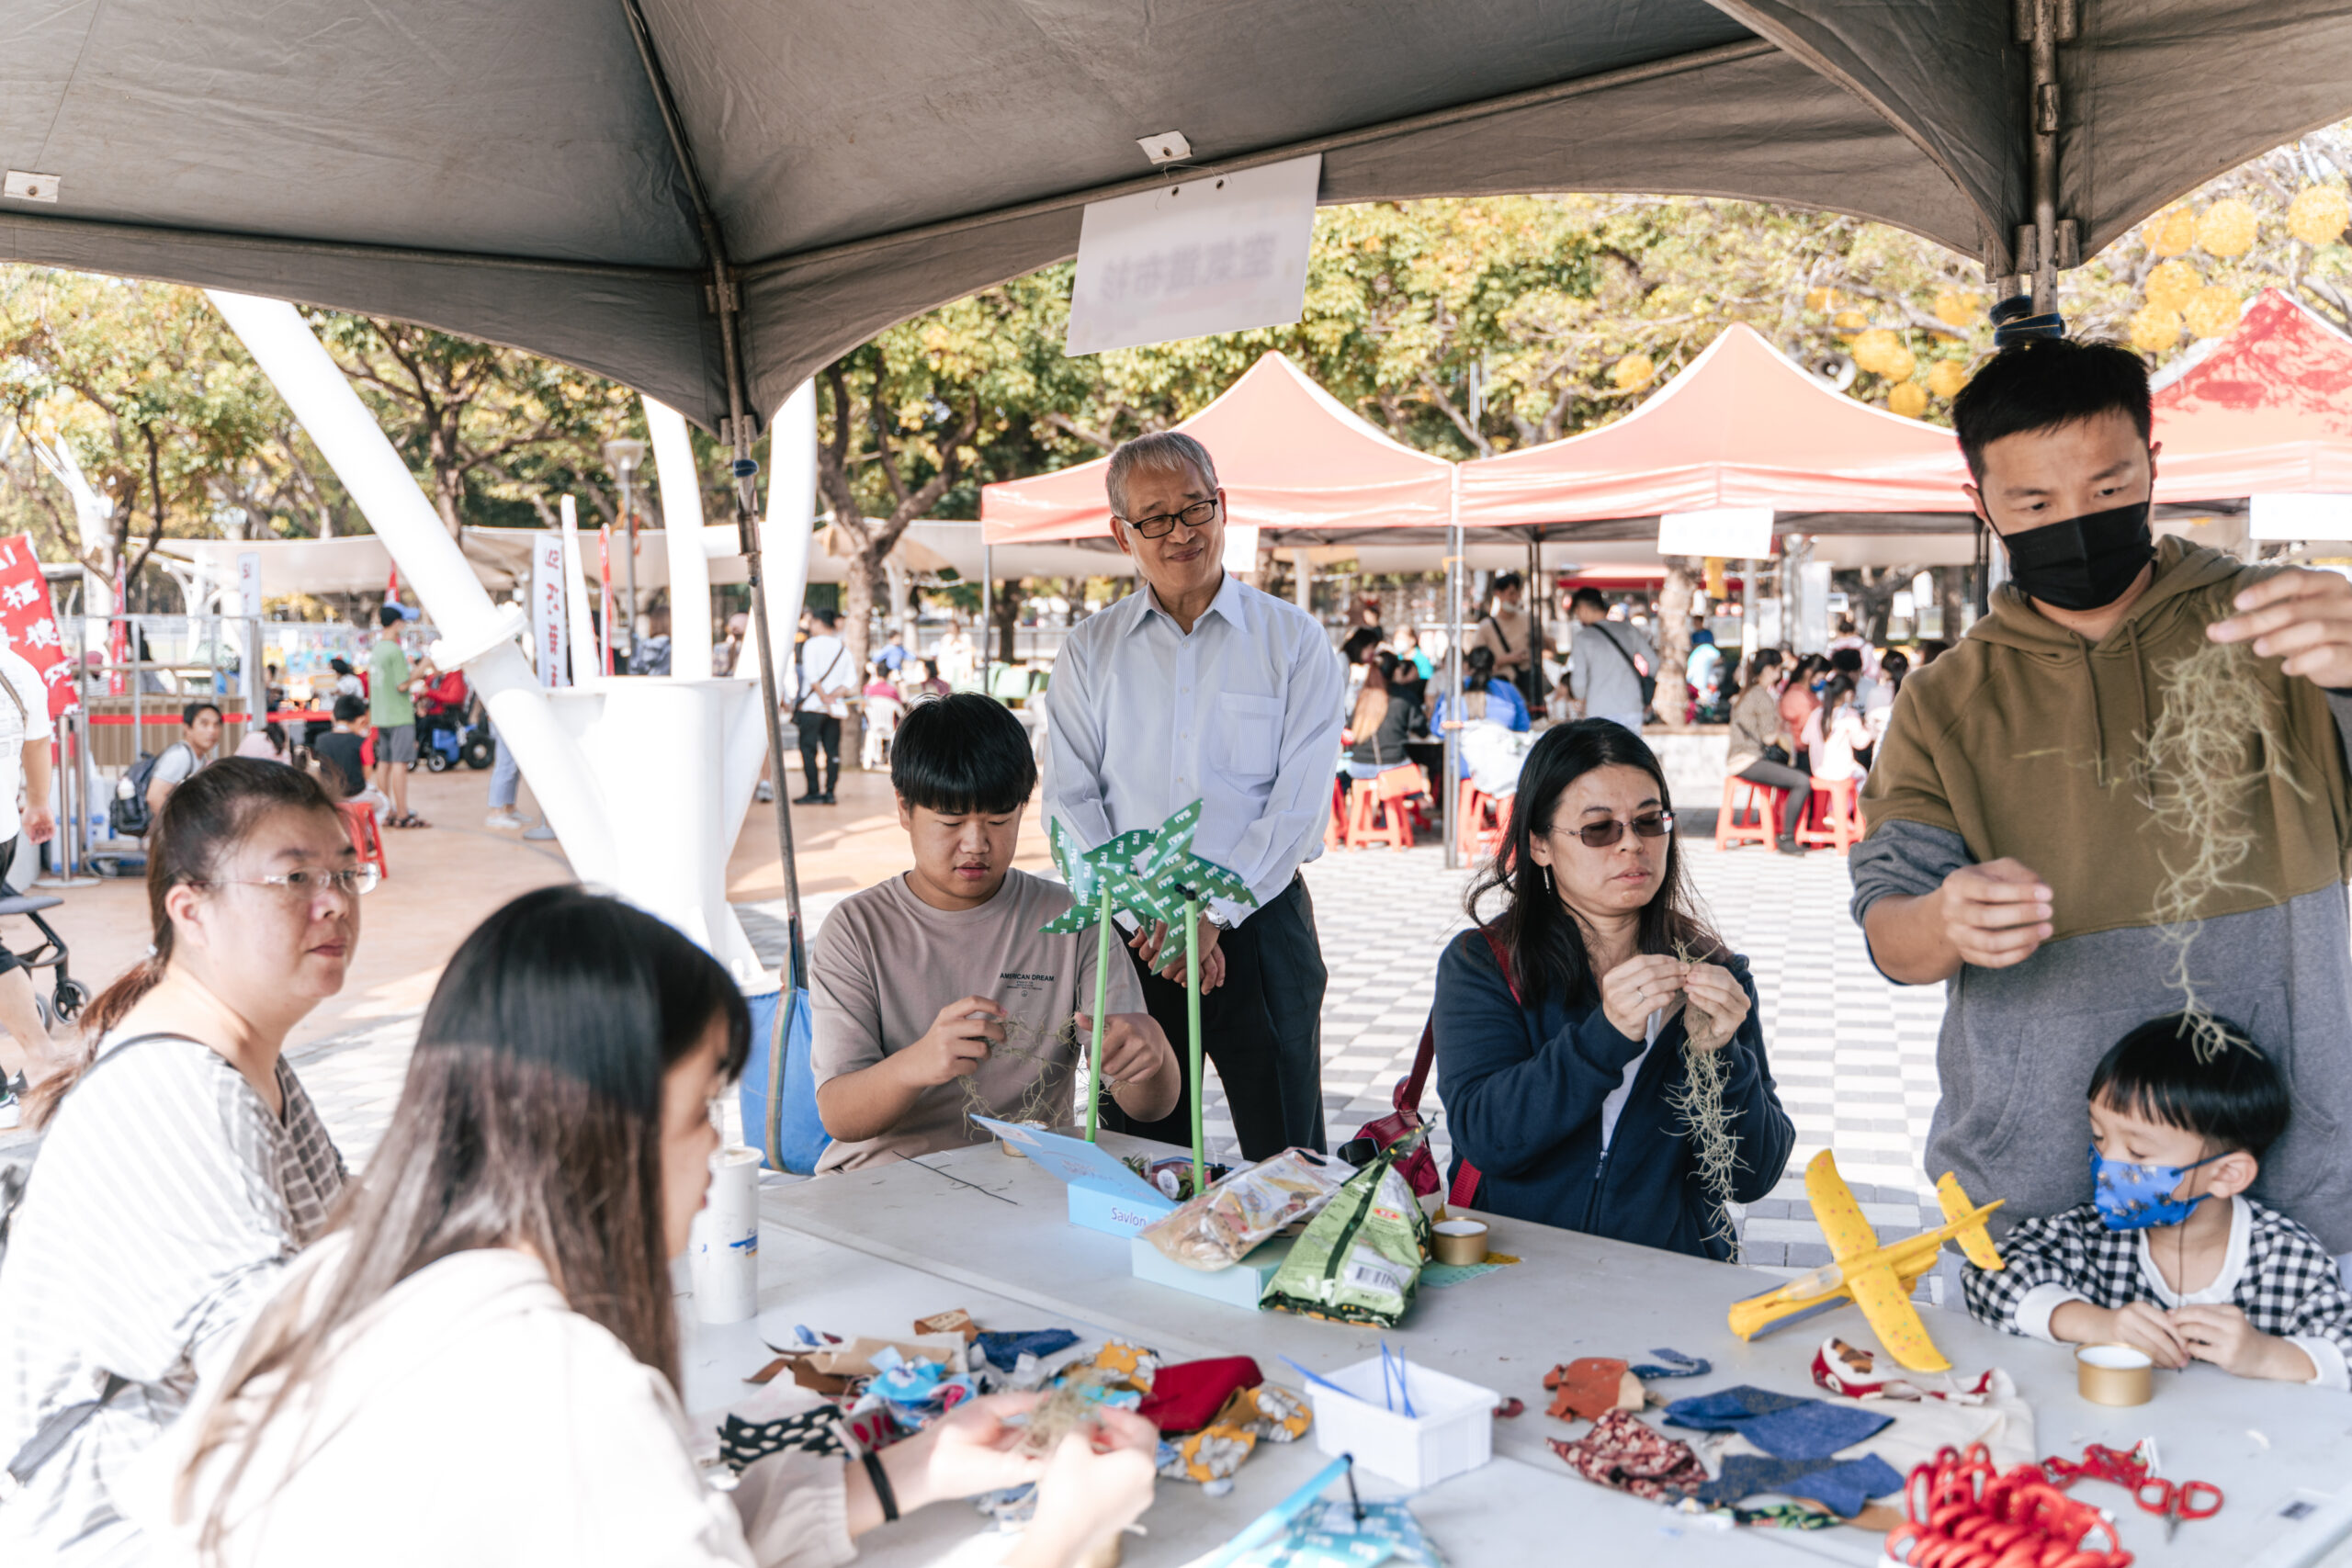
987 612
1449 789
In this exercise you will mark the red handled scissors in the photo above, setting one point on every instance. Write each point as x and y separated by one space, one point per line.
2187 1500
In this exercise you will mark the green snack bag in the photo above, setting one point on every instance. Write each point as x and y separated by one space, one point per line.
1360 1259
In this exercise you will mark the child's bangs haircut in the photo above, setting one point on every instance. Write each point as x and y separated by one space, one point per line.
2238 1100
960 753
2044 383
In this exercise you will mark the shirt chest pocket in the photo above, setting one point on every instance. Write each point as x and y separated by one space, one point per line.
1248 736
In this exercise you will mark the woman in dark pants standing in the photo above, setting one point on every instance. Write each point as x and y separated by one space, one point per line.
1756 734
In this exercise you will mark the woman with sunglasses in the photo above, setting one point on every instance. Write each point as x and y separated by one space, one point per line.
1565 1021
183 1165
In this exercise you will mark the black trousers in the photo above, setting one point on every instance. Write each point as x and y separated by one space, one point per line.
821 730
1262 1029
1780 775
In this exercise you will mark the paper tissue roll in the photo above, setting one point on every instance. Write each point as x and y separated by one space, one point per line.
727 1239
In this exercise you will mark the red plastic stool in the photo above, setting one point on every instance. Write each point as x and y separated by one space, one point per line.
1481 821
366 839
1742 798
1373 820
1841 826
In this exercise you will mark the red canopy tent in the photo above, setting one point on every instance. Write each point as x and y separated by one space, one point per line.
2268 411
1742 426
1288 455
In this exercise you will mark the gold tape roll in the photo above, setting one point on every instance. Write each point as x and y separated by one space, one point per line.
2114 1374
1461 1241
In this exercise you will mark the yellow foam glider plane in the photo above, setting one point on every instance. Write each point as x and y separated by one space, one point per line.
1877 1278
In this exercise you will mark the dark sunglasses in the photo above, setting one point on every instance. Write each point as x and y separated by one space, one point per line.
1649 825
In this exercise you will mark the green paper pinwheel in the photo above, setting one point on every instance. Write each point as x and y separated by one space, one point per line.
1154 875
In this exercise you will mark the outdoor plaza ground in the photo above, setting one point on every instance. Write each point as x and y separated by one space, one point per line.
1854 1055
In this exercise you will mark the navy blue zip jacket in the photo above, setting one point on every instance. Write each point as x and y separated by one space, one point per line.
1522 1090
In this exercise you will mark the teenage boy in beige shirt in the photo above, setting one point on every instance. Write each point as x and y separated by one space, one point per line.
937 986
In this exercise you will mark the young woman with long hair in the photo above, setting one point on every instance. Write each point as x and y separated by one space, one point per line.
1565 1020
1757 735
183 1166
480 1366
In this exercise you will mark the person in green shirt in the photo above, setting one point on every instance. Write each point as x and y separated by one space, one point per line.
395 718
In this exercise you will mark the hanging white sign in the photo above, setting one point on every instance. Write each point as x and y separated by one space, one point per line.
249 583
2315 516
1732 532
1212 253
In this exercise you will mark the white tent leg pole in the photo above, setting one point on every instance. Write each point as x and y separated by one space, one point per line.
587 661
792 512
473 633
674 461
988 615
1450 788
1303 572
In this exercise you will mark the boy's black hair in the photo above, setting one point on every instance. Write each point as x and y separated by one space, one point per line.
1845 661
963 752
390 616
348 707
2237 1100
188 712
2043 383
1584 597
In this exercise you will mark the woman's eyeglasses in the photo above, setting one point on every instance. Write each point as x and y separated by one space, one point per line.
357 881
1649 825
1195 516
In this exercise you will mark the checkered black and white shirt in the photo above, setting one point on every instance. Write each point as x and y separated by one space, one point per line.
2275 1272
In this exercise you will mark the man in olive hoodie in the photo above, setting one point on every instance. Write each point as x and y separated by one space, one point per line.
2014 850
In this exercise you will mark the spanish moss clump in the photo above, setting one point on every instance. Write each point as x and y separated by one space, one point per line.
1698 1105
1041 1103
2215 745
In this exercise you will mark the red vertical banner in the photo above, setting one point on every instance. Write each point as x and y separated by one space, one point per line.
30 624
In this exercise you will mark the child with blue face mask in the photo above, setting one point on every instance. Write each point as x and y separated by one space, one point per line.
2170 1256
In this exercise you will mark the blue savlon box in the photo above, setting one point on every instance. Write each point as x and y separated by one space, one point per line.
1239 1285
1116 1211
1104 1195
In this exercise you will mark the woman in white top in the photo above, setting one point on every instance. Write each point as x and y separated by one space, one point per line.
183 1167
1835 731
480 1368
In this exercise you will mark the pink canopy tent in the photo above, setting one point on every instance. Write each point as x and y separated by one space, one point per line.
1289 457
1744 425
2268 411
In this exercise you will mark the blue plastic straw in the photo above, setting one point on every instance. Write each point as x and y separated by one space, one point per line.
1403 1391
1274 1520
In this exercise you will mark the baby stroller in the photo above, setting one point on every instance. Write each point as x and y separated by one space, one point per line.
443 739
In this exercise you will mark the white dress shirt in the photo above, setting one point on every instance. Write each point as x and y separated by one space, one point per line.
1242 715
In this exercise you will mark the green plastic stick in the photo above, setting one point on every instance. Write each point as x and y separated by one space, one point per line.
1102 975
1193 1028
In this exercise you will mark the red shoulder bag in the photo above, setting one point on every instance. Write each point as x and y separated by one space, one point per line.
1419 1168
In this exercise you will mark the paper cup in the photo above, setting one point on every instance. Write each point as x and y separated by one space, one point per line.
727 1239
2114 1374
1460 1241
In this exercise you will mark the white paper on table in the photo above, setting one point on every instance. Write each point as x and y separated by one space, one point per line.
1217 252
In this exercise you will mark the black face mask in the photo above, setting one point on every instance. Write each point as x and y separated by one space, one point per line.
2084 563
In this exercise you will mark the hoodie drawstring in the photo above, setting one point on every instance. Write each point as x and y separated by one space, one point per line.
2137 767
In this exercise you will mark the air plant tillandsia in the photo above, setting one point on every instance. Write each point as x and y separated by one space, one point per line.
2214 745
1152 874
1698 1105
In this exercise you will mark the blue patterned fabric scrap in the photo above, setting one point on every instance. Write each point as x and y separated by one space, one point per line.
1842 1486
1004 1350
1784 1426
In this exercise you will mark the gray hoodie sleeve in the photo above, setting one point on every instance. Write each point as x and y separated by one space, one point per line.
1902 860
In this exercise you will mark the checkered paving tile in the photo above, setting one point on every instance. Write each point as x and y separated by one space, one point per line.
1853 1055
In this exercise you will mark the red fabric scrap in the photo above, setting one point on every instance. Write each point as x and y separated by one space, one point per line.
1187 1396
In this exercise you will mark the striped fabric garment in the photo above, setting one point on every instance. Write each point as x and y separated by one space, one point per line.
165 1200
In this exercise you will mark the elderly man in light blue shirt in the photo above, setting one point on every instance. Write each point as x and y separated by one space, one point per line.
1198 686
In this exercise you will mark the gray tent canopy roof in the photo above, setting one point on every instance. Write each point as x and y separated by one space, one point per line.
504 170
